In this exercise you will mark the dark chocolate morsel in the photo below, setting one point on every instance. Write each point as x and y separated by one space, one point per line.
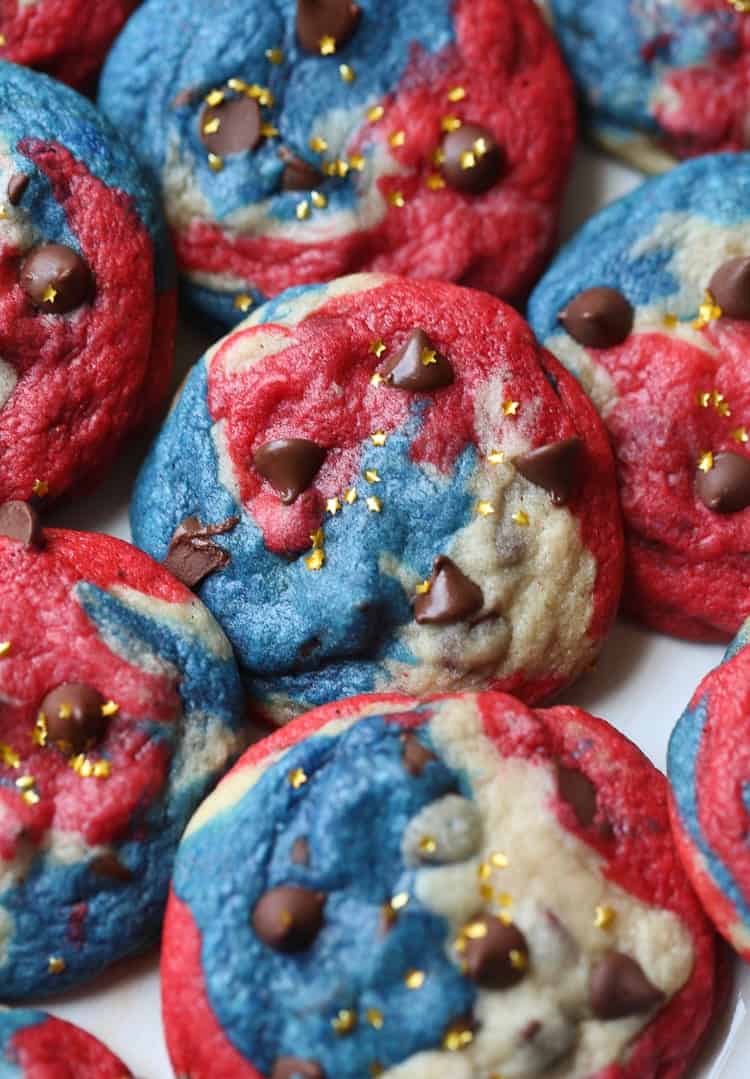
725 488
298 175
472 161
730 288
233 127
109 865
17 185
495 955
320 19
618 988
193 555
56 278
417 366
598 318
577 790
301 851
296 1068
73 715
414 755
290 465
553 467
20 521
452 597
289 918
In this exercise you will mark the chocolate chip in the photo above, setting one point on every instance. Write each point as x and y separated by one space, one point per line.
553 467
414 755
577 790
298 175
73 714
494 955
452 597
290 465
233 127
618 988
109 865
17 185
20 521
296 1068
598 318
418 366
471 159
56 278
725 488
319 19
730 288
301 851
288 918
193 555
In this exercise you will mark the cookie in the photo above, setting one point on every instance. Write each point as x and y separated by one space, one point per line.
649 305
87 343
120 706
299 142
36 1045
709 768
663 81
411 496
461 889
67 40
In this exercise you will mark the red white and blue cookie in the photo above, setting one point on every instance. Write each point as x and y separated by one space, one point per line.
459 889
120 706
709 768
649 306
299 142
385 484
64 38
87 302
35 1045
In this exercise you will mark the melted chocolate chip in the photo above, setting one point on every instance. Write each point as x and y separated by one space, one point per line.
20 521
414 755
290 465
193 555
292 1067
553 467
319 19
17 185
418 366
618 988
288 918
298 175
73 713
730 288
725 488
598 318
471 159
495 955
301 851
577 790
452 597
56 279
233 127
109 865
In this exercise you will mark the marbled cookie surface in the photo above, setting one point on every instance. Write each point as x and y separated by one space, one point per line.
120 705
35 1045
649 306
410 495
461 889
297 141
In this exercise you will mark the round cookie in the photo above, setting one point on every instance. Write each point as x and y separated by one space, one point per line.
120 706
87 343
709 768
649 305
301 141
67 39
462 889
660 81
36 1045
412 496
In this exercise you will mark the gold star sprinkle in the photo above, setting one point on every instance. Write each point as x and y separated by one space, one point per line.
102 770
743 6
484 871
345 1022
347 73
240 87
333 505
377 348
505 899
50 294
274 56
396 198
468 159
2 40
297 778
374 1017
499 861
399 901
350 496
438 156
435 181
374 504
517 959
485 890
316 560
458 1037
377 380
703 398
340 168
604 917
214 98
450 123
55 964
377 112
414 979
427 844
8 756
428 357
40 488
379 438
456 93
398 138
82 766
317 538
215 163
243 302
318 200
376 1069
497 457
211 126
268 131
723 409
3 214
318 144
110 709
510 408
327 45
506 917
485 509
709 311
357 162
520 517
423 587
739 434
474 931
372 475
5 647
303 210
669 321
31 798
706 462
25 783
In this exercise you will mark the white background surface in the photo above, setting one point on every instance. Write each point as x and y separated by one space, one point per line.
641 684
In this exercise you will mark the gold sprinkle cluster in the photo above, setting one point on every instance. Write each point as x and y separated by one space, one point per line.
216 97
